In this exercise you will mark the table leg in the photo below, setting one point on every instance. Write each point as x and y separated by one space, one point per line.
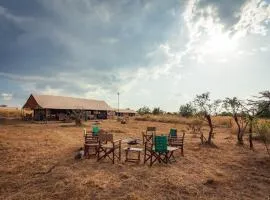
126 155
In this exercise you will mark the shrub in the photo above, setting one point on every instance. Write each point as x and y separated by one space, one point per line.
157 111
263 130
187 110
144 110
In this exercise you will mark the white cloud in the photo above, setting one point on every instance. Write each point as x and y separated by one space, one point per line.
13 18
254 17
6 96
99 47
263 49
50 91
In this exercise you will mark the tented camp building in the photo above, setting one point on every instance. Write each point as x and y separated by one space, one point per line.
125 112
49 107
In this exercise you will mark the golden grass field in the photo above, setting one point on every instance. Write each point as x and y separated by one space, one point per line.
37 162
9 112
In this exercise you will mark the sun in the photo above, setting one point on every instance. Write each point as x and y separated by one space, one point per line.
220 43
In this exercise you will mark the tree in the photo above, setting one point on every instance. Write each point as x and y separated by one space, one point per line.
235 106
144 110
255 108
229 114
206 109
77 115
261 103
157 111
264 133
265 112
187 110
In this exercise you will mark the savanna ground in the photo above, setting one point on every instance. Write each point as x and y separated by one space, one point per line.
37 162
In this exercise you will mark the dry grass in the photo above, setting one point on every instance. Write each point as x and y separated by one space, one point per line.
7 112
174 119
13 113
37 163
219 121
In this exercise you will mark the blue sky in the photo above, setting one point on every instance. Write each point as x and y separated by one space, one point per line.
155 53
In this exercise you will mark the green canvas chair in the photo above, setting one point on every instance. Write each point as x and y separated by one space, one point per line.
95 130
173 132
160 150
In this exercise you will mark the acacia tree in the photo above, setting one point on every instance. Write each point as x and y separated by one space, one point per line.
206 109
255 108
187 110
78 115
261 104
157 111
235 106
144 110
264 132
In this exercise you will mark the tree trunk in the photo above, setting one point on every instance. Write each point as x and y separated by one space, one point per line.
250 133
78 122
250 141
239 135
209 120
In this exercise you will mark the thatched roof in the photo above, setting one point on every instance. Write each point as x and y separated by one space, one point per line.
61 102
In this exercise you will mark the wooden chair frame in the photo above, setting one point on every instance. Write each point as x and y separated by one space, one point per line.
148 145
109 148
159 156
90 143
178 142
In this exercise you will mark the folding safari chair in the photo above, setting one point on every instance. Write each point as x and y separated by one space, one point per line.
178 142
95 130
90 144
148 141
108 148
148 134
160 150
173 133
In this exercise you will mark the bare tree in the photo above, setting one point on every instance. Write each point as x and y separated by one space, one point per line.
235 106
206 109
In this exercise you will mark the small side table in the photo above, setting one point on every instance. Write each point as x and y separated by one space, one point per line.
135 150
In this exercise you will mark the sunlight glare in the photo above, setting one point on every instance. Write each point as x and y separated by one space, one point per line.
220 43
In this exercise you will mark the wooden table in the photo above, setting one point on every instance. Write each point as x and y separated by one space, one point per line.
134 150
129 149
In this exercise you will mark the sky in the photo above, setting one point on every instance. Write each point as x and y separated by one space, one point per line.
154 53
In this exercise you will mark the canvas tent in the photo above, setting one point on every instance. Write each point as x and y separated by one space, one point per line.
125 112
60 107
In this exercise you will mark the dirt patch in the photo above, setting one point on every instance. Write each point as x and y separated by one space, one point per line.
37 162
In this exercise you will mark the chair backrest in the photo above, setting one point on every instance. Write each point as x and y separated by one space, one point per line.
102 137
95 130
151 129
109 137
161 144
148 135
173 132
89 139
148 138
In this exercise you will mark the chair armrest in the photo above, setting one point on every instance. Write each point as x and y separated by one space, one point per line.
117 140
